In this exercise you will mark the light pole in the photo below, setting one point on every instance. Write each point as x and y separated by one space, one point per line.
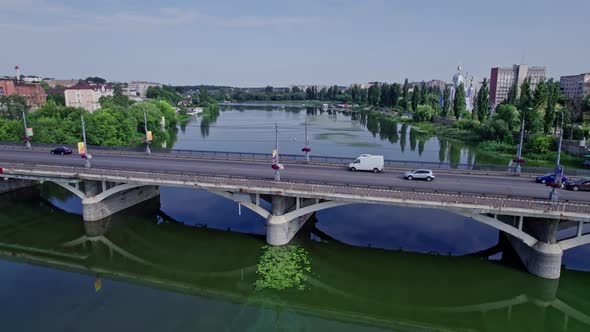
519 152
275 156
306 149
147 141
86 155
553 195
27 142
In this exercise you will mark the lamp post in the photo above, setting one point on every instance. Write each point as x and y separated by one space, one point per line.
306 149
27 142
86 155
147 141
519 151
553 195
275 156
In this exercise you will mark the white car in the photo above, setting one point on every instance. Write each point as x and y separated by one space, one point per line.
424 174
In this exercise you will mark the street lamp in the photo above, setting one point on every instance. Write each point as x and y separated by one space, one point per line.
147 138
553 195
519 159
27 138
86 155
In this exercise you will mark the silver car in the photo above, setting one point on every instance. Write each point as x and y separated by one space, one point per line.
424 174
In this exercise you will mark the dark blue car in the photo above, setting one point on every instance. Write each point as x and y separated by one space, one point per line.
549 178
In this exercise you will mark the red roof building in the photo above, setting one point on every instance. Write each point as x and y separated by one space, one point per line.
33 93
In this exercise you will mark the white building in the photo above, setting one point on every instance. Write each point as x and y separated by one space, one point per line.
575 86
139 88
86 95
469 85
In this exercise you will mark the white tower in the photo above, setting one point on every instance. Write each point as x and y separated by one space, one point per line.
17 69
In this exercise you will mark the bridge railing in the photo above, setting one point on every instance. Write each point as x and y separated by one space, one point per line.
363 191
299 158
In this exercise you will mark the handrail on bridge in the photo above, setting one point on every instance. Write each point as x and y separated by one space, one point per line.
256 156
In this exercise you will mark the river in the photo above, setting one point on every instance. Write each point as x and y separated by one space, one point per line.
189 261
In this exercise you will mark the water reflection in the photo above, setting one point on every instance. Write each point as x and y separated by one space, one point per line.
318 276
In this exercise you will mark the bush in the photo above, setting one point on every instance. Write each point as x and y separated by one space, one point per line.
539 144
496 129
466 124
424 113
495 146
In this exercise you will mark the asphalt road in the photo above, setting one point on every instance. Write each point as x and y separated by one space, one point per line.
480 184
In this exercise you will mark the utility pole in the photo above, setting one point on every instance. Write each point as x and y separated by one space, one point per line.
519 152
86 155
147 141
306 149
553 195
276 164
27 142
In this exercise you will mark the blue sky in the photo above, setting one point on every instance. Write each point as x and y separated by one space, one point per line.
283 42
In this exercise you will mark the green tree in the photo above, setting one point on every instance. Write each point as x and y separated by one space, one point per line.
509 114
58 98
12 107
423 93
482 102
405 95
512 95
424 113
459 102
395 93
415 98
446 110
532 118
384 95
553 95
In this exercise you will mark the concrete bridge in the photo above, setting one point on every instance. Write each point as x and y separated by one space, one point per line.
512 205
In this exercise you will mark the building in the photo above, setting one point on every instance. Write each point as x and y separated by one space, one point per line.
86 95
575 86
469 86
33 93
436 84
502 79
139 88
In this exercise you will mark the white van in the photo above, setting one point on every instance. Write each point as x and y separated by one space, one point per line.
367 162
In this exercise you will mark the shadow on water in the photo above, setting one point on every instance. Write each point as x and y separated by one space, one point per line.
316 282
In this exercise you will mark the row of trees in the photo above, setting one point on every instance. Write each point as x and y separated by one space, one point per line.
119 121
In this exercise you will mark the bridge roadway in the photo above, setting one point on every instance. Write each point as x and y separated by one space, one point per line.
491 185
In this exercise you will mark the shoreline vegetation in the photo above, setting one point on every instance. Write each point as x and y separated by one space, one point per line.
494 133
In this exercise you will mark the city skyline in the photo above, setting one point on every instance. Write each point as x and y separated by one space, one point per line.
289 43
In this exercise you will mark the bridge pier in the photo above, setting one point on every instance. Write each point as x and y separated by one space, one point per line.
96 207
543 259
279 229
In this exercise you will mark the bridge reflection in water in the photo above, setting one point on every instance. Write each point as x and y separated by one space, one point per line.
351 285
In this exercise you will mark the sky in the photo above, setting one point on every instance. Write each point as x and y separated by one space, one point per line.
286 42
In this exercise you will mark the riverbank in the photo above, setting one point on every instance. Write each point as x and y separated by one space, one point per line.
493 152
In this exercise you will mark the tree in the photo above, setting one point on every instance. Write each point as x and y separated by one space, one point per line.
446 102
395 93
374 95
459 101
512 94
12 107
532 119
415 98
268 89
482 102
553 94
424 113
509 114
97 80
384 95
405 95
423 92
58 98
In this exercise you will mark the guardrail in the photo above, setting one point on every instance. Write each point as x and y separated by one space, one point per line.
452 197
254 156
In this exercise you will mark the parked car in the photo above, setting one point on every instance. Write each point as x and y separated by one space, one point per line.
62 150
423 174
580 184
549 178
367 162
